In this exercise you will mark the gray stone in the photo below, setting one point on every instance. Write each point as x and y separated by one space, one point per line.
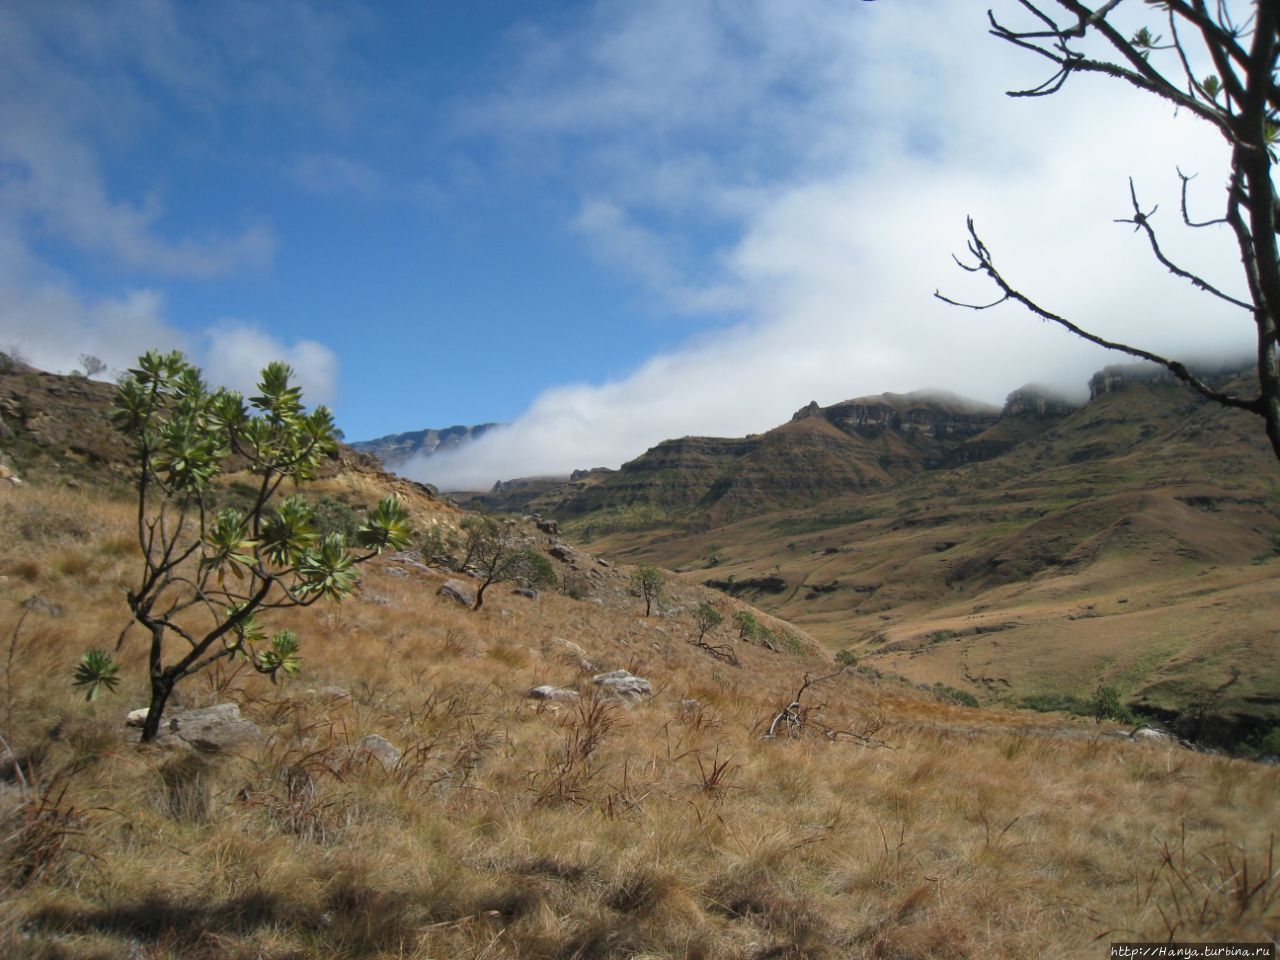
528 592
622 683
213 728
458 591
688 708
1149 734
374 747
39 603
548 692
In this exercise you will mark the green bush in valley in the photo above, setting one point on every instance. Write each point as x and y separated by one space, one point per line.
962 697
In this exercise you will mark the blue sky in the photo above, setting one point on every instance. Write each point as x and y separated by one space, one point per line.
605 223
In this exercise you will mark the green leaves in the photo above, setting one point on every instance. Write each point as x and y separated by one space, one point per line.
283 656
289 533
328 570
386 528
95 671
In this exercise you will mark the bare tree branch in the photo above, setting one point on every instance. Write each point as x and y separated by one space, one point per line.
1142 221
1241 99
983 264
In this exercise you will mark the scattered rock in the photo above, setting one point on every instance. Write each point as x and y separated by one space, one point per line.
529 592
213 728
569 653
562 552
334 693
458 591
375 747
548 692
1150 735
42 605
622 683
549 527
688 708
395 571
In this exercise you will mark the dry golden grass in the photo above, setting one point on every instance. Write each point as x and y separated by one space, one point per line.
513 829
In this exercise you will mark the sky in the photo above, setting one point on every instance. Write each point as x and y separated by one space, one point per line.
603 223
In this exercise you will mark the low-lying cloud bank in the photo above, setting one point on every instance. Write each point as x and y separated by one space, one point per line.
841 275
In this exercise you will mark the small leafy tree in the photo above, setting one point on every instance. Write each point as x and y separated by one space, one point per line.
649 582
705 619
92 365
747 624
207 576
1109 705
496 551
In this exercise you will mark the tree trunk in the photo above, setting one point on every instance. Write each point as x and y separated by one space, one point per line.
161 687
480 593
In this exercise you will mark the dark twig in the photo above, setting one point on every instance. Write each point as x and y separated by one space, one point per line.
983 264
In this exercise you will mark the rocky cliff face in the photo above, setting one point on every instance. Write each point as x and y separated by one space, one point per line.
1123 376
674 475
855 446
1034 402
396 448
923 415
58 422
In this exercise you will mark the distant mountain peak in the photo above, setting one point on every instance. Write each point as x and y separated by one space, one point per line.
396 449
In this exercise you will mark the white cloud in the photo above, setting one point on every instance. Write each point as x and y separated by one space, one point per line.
896 134
52 326
235 354
64 95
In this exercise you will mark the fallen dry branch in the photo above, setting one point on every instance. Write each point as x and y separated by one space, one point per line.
721 651
798 719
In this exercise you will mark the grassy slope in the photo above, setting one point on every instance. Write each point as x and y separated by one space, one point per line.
1133 545
664 830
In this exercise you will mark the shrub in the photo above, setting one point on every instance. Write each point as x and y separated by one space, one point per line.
1107 705
205 573
335 516
962 697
